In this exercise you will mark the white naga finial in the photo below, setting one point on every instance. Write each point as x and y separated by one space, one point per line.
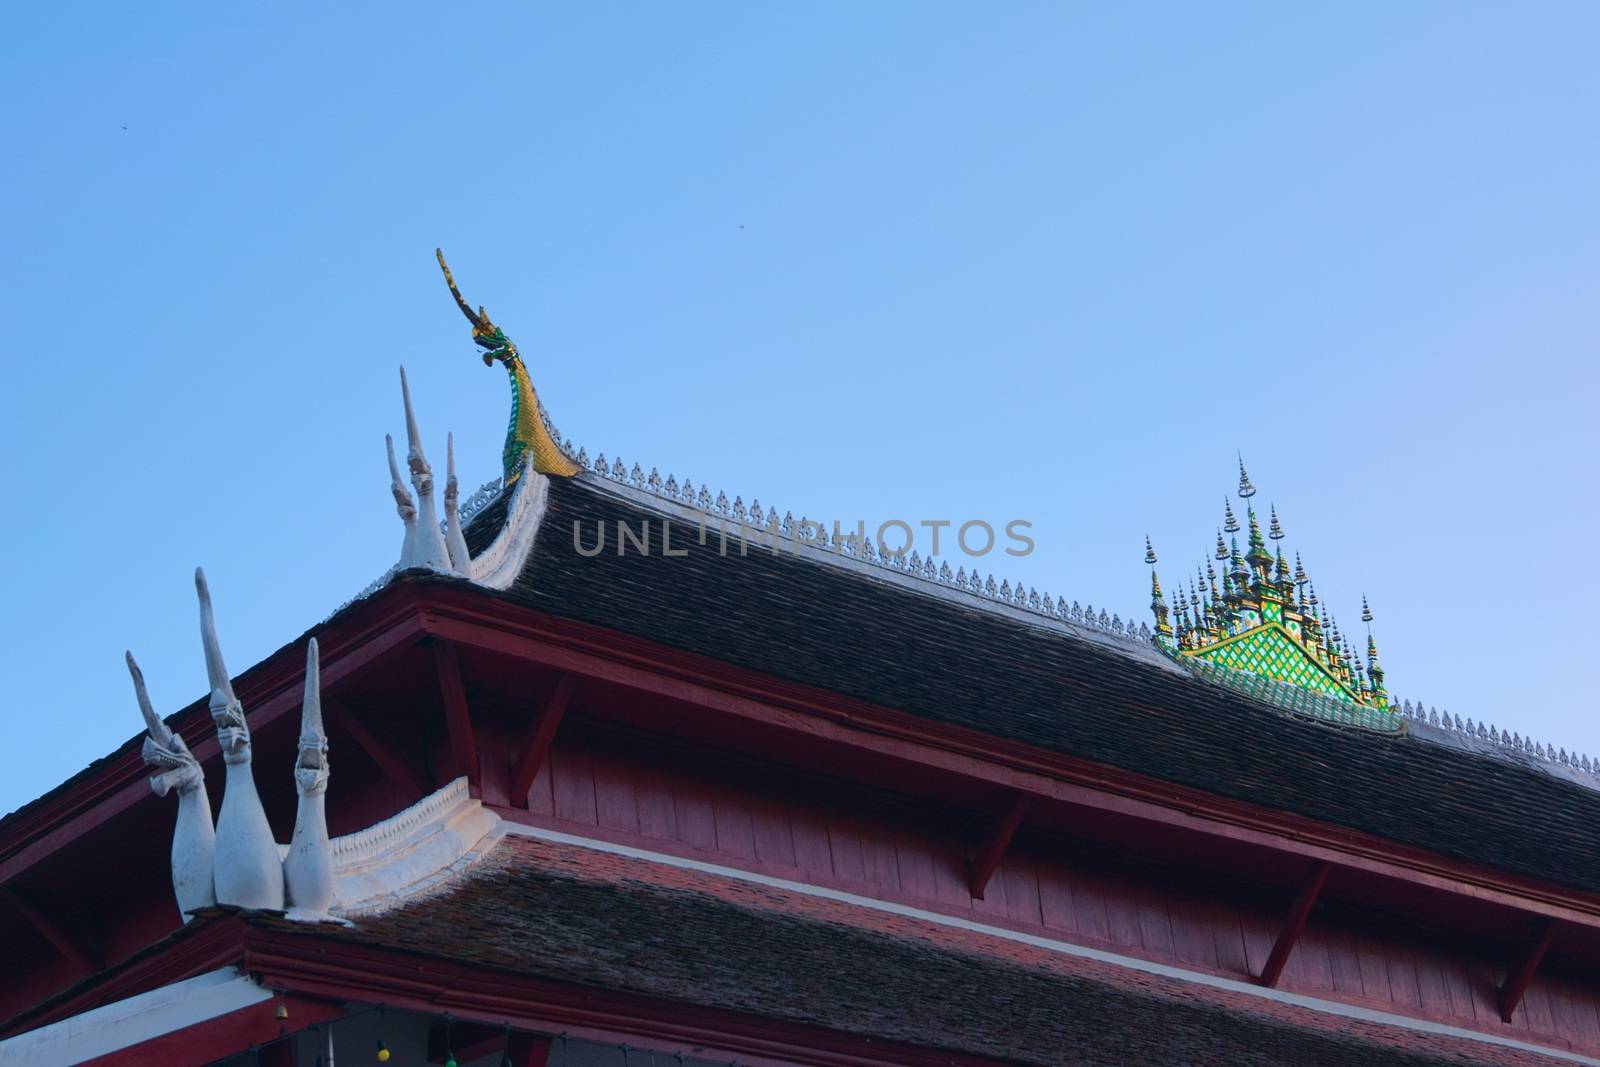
247 873
460 558
193 839
308 866
404 505
426 544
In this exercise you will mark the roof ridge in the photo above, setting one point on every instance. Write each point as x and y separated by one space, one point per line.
933 576
928 570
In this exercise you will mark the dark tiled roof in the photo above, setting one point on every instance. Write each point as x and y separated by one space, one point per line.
940 659
568 914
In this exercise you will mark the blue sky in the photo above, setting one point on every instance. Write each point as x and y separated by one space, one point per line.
892 260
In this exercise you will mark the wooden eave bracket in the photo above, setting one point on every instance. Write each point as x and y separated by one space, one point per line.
540 736
70 947
1521 972
457 718
988 858
387 759
1295 923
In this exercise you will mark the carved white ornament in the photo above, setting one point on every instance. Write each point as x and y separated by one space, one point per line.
238 863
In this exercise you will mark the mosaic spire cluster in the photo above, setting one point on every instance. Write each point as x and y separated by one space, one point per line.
1249 611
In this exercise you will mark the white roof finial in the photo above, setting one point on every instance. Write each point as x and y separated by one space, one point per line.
454 542
424 545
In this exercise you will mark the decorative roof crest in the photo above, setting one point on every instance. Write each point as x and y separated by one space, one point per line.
529 432
1261 621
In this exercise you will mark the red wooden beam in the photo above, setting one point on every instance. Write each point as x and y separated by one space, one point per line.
983 866
457 718
1295 923
388 761
537 746
361 974
1519 975
76 953
227 1035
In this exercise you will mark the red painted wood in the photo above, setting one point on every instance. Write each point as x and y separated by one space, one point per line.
1294 924
457 716
1403 990
1061 907
735 835
616 805
845 848
471 995
1521 972
1192 938
721 690
224 1036
813 852
527 1050
1089 916
572 785
1023 903
914 873
697 825
537 744
1167 922
1155 926
1344 965
652 793
1228 937
994 847
70 945
770 826
390 762
1535 1010
880 862
1122 917
542 798
1435 998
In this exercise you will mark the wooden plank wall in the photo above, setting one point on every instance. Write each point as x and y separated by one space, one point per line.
833 834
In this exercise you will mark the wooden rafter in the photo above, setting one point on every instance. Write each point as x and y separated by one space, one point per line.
537 745
1521 972
984 864
1295 923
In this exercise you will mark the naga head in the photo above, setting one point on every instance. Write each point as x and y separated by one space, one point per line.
163 749
311 765
485 334
233 733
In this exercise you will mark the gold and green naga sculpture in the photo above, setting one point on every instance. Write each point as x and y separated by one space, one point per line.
528 434
1263 619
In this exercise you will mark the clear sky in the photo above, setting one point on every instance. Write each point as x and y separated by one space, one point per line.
914 260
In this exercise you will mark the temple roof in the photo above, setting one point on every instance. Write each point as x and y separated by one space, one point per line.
955 657
563 913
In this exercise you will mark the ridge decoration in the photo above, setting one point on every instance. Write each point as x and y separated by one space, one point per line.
1266 622
529 431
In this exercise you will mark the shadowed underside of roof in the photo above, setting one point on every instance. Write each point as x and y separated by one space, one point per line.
935 657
